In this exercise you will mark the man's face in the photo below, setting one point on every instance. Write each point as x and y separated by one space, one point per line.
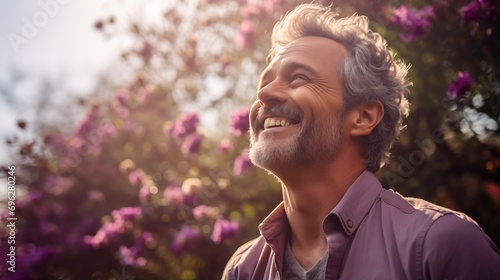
296 120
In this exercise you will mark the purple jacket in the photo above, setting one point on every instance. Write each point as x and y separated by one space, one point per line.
374 233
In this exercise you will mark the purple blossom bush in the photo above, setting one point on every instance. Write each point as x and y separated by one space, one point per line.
413 23
459 86
192 144
224 230
245 38
239 123
478 10
182 239
184 125
242 163
225 146
480 14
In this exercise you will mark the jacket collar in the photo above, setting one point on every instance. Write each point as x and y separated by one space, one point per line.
357 202
351 209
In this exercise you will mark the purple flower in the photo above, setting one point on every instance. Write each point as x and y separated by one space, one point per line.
479 10
182 239
111 230
136 176
224 230
226 145
107 128
204 212
129 256
147 239
191 144
184 125
459 86
242 163
107 232
126 257
245 38
87 122
240 122
81 146
127 213
470 12
144 193
413 22
174 194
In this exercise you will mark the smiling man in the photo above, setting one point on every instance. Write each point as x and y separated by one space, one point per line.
329 106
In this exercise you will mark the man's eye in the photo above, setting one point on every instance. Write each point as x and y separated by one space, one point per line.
299 77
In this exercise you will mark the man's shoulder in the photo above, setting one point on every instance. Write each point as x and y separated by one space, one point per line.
420 208
256 244
416 217
450 244
245 260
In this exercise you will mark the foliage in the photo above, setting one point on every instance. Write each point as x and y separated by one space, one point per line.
140 185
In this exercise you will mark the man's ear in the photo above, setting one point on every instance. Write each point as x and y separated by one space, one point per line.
368 116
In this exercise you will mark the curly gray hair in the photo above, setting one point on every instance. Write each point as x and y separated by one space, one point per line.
369 73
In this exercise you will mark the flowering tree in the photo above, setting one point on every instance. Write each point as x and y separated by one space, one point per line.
139 186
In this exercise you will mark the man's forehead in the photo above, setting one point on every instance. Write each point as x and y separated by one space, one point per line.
309 48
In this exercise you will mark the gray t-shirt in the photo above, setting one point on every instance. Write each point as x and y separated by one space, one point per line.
292 270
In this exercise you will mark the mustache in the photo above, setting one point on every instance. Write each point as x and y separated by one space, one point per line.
284 110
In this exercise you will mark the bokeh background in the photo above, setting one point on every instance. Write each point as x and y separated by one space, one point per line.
127 124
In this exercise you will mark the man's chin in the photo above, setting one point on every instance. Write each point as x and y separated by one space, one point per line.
269 160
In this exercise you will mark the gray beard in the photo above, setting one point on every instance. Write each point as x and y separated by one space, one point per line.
314 144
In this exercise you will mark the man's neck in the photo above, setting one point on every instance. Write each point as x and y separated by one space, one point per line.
309 195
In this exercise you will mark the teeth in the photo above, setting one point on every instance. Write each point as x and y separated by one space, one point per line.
273 122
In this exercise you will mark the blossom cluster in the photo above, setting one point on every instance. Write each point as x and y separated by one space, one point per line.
184 130
250 12
240 122
131 256
413 23
122 222
477 10
460 85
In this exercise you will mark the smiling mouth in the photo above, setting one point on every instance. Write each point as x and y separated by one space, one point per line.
277 122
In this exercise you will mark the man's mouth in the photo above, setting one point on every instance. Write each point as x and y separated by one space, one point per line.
276 122
276 117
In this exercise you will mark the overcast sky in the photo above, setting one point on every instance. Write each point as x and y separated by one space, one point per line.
56 39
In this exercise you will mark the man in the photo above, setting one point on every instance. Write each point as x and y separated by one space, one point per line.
329 106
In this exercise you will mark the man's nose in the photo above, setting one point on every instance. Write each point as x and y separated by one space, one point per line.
272 93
